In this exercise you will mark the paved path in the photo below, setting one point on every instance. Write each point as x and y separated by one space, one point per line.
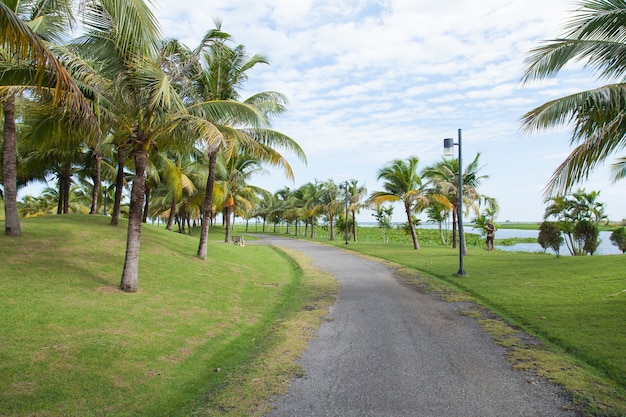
386 350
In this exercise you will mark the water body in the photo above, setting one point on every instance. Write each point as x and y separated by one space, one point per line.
606 246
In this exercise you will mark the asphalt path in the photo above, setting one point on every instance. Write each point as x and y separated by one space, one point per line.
386 350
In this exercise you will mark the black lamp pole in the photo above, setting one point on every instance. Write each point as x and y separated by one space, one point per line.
345 188
448 145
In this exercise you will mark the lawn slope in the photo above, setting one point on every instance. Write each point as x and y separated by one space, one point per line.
72 344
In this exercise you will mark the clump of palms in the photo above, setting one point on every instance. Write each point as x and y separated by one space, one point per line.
578 216
443 177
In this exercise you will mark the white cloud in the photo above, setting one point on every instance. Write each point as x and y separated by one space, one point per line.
372 80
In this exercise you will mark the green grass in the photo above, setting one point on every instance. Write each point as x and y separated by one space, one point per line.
72 344
575 305
219 337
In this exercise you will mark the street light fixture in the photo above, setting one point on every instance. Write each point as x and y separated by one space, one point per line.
448 145
345 187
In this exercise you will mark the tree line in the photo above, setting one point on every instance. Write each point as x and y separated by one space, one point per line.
122 104
119 107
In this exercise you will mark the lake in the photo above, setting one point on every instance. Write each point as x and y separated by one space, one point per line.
605 248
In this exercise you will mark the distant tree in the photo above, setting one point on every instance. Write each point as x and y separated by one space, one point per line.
439 213
569 210
356 194
331 204
443 176
550 237
618 238
402 183
383 218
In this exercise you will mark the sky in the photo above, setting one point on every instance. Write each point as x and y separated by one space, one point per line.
370 81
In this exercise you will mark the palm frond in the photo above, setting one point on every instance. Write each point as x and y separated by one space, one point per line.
595 36
24 44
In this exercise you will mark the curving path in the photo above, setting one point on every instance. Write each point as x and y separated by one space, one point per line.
388 351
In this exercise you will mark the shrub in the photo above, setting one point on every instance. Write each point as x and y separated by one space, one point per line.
550 237
587 233
618 238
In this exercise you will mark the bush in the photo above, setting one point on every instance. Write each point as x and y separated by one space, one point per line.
618 238
550 237
587 233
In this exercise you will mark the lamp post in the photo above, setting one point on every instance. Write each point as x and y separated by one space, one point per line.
345 188
448 145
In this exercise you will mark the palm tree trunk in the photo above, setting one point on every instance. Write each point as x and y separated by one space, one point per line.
146 206
12 225
96 184
412 227
60 194
443 242
188 217
332 227
130 276
208 207
66 184
353 225
170 219
119 185
226 218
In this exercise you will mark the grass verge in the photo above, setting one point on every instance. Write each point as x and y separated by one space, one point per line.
575 306
72 344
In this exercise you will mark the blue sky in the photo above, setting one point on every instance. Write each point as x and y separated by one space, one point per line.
369 81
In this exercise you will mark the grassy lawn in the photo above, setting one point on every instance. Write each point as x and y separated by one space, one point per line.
72 344
219 337
575 305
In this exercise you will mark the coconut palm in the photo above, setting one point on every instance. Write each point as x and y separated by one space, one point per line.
594 35
439 214
238 193
310 195
28 28
403 183
217 74
443 176
356 193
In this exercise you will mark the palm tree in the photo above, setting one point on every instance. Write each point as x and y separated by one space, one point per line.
403 183
438 213
310 194
140 102
356 193
24 49
594 35
218 75
281 203
331 204
443 176
238 170
53 146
